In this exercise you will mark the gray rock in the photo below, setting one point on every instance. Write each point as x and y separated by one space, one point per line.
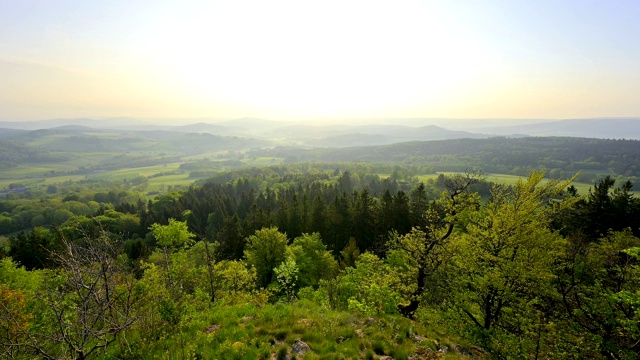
299 347
212 328
460 350
477 350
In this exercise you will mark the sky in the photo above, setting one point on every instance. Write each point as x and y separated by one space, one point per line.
318 60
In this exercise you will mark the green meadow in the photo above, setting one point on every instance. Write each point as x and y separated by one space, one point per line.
506 179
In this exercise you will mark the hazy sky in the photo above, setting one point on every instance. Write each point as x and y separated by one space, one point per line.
319 59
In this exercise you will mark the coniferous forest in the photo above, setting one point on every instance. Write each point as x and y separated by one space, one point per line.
312 262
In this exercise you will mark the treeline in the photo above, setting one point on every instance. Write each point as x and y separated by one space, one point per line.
562 156
333 204
55 203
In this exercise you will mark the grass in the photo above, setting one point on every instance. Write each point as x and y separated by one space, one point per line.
264 161
508 179
159 176
215 155
249 331
156 183
41 175
72 162
27 171
131 173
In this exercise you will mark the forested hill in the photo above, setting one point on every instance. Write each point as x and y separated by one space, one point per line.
256 267
12 154
500 154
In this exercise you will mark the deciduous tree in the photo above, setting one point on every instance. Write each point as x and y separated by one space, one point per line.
264 251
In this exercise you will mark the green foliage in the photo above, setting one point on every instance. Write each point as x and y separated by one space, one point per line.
18 278
175 234
505 258
81 307
5 246
118 223
598 283
350 254
522 271
185 274
603 209
287 276
406 271
630 300
506 253
170 312
136 249
152 284
313 259
234 278
371 287
7 224
264 251
33 249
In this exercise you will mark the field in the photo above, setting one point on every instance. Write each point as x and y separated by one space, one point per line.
87 166
161 177
583 188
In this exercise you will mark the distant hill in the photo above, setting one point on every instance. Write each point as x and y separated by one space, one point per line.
366 135
7 133
347 140
305 131
348 134
603 128
565 155
252 125
385 135
74 128
75 138
109 123
193 143
433 132
202 127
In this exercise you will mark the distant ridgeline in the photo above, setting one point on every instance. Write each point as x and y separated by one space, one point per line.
561 156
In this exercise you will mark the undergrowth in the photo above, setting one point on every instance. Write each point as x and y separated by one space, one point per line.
250 331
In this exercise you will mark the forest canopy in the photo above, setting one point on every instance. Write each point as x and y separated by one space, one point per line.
532 269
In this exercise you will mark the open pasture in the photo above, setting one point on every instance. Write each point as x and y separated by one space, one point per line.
507 179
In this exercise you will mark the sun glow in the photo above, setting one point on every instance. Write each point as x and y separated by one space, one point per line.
314 61
286 59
